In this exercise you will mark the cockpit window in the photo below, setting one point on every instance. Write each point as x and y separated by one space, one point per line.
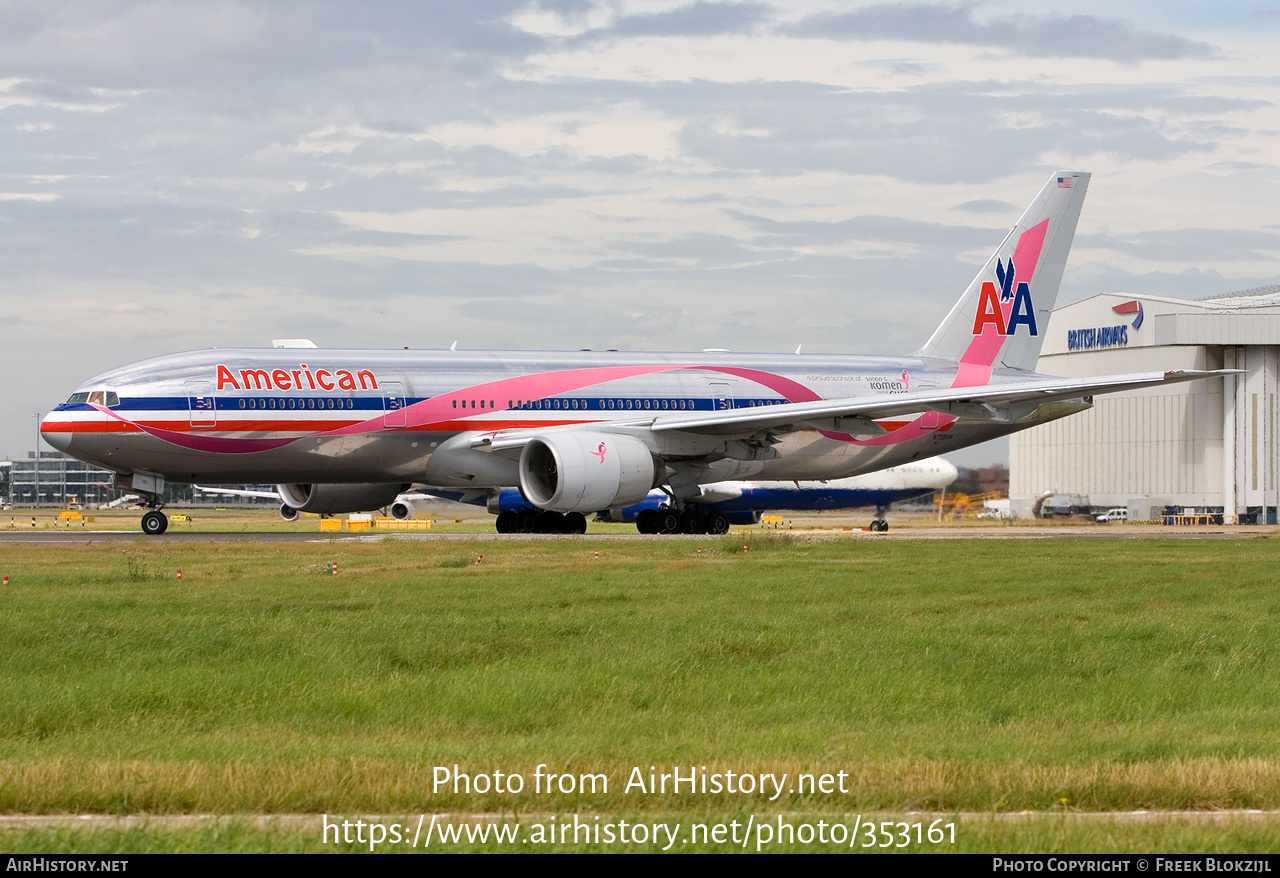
108 398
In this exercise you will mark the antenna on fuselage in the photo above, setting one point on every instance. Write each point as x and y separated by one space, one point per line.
454 346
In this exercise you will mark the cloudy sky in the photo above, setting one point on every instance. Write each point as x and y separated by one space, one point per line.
633 174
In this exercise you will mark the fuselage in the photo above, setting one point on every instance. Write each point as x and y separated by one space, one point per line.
364 416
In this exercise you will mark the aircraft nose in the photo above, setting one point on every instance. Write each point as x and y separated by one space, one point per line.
949 471
54 431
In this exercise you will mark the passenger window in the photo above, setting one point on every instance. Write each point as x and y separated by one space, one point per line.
242 403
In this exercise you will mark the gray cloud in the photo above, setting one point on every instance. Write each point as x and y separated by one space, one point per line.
871 229
1051 36
698 19
1207 246
986 205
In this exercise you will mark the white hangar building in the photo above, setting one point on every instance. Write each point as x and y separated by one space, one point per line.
1209 445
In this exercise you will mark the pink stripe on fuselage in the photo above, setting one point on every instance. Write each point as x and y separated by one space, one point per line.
526 388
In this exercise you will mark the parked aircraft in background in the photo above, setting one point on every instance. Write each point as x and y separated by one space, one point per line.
349 430
721 504
291 513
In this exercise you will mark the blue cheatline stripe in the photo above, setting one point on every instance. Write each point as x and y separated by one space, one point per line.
377 403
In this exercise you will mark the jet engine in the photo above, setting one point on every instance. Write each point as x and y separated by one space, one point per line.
407 510
336 499
586 472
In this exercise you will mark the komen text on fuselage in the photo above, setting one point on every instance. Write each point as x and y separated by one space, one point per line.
584 432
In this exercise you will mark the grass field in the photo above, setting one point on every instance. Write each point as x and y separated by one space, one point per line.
1053 675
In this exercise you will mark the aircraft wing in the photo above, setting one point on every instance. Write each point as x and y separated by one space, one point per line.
992 402
274 495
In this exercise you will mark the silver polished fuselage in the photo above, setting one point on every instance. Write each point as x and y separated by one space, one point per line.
354 416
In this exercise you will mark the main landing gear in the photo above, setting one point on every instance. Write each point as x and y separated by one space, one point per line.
540 521
689 521
155 522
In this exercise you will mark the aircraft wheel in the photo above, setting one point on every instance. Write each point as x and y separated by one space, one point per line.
717 523
507 522
526 521
551 523
575 523
878 526
692 522
155 523
647 521
668 522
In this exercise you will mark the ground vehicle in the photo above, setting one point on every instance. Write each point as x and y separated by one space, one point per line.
1120 513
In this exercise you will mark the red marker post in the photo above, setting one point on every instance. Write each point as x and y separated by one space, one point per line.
179 574
335 568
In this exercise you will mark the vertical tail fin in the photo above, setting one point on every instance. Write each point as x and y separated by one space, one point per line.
1001 319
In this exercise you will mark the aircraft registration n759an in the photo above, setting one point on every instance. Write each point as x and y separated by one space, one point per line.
582 432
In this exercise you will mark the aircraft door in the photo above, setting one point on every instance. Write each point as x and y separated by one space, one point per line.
200 404
721 396
393 401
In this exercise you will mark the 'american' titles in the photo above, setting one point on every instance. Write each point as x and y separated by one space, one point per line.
301 378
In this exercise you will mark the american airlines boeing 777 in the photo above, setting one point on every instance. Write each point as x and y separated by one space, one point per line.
578 433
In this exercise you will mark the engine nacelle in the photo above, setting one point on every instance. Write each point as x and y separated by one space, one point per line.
408 510
586 472
336 499
288 513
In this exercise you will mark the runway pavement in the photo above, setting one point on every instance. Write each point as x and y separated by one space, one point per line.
941 532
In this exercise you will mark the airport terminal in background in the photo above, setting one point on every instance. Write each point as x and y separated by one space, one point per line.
1191 446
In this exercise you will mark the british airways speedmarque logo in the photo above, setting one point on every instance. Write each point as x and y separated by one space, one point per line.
990 311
